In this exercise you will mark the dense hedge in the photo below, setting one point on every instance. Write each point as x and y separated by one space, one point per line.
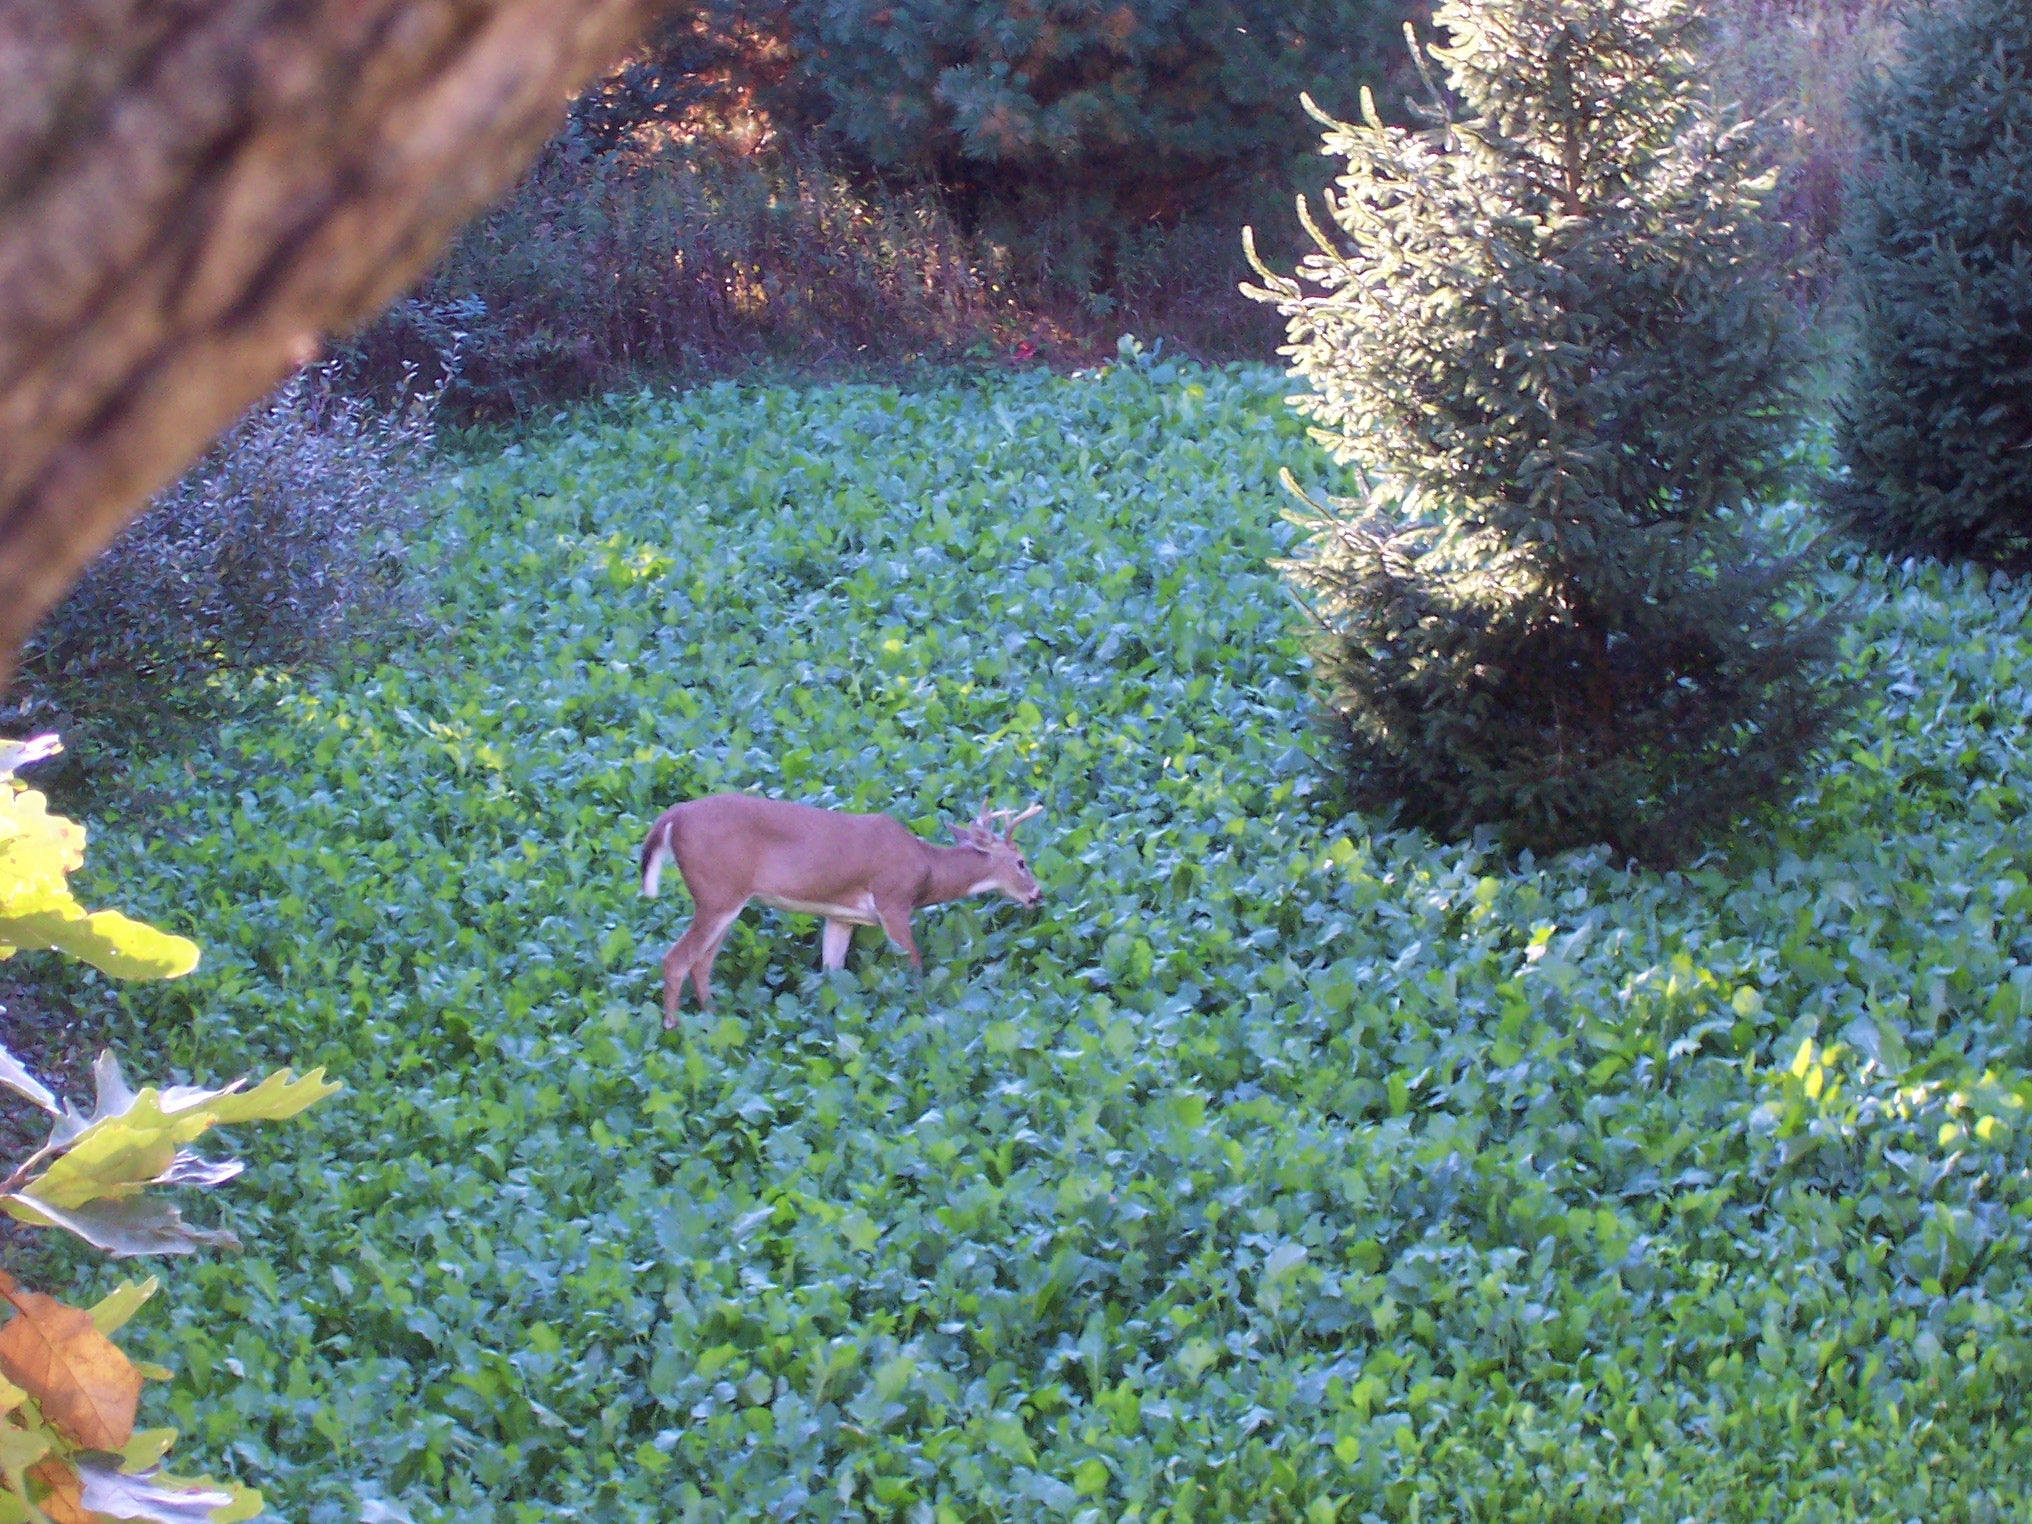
1062 131
1937 431
1278 1167
1058 124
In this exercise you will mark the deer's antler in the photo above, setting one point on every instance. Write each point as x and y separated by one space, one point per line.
1010 818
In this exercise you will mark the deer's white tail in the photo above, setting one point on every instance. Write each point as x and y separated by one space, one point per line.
655 853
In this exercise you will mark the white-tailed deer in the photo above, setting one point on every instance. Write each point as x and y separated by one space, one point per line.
855 870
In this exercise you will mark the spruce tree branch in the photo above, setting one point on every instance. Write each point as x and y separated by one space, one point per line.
192 197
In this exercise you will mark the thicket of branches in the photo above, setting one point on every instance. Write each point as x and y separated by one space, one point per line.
288 539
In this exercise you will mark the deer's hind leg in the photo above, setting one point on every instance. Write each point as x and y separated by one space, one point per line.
837 938
702 962
676 969
691 956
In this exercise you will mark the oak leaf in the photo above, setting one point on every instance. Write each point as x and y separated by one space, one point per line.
154 1496
86 1388
63 1494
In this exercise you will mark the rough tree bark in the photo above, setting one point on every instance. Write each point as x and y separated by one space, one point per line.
194 192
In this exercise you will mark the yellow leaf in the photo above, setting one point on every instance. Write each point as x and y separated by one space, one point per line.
37 852
146 1448
116 1307
62 1493
134 1139
280 1096
1802 1059
111 942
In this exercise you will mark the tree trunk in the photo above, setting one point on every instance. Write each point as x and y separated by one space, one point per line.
193 195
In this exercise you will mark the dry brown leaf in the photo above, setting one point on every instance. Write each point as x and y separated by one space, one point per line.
64 1499
87 1389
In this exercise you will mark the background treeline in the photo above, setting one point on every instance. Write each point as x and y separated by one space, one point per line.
837 189
844 186
856 183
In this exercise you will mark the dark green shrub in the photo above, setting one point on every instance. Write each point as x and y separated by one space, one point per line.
1937 432
1056 125
1059 132
1549 331
709 65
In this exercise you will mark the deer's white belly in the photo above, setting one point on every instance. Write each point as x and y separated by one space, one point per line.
860 912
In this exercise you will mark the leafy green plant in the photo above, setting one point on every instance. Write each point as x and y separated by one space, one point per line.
1283 1164
1936 432
69 1451
1545 331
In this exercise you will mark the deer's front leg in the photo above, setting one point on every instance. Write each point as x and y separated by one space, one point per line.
836 939
895 921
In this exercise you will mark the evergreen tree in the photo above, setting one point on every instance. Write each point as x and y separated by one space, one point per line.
1547 329
1937 434
1094 111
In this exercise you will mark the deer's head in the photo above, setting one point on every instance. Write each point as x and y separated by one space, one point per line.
1006 869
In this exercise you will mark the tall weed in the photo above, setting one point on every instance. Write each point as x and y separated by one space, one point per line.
678 258
683 259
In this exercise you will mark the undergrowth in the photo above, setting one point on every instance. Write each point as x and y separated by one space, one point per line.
1281 1165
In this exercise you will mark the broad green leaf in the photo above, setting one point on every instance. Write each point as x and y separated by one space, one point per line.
112 1311
146 1448
1283 1259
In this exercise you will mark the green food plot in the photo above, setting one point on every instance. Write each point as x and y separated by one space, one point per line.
1279 1166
